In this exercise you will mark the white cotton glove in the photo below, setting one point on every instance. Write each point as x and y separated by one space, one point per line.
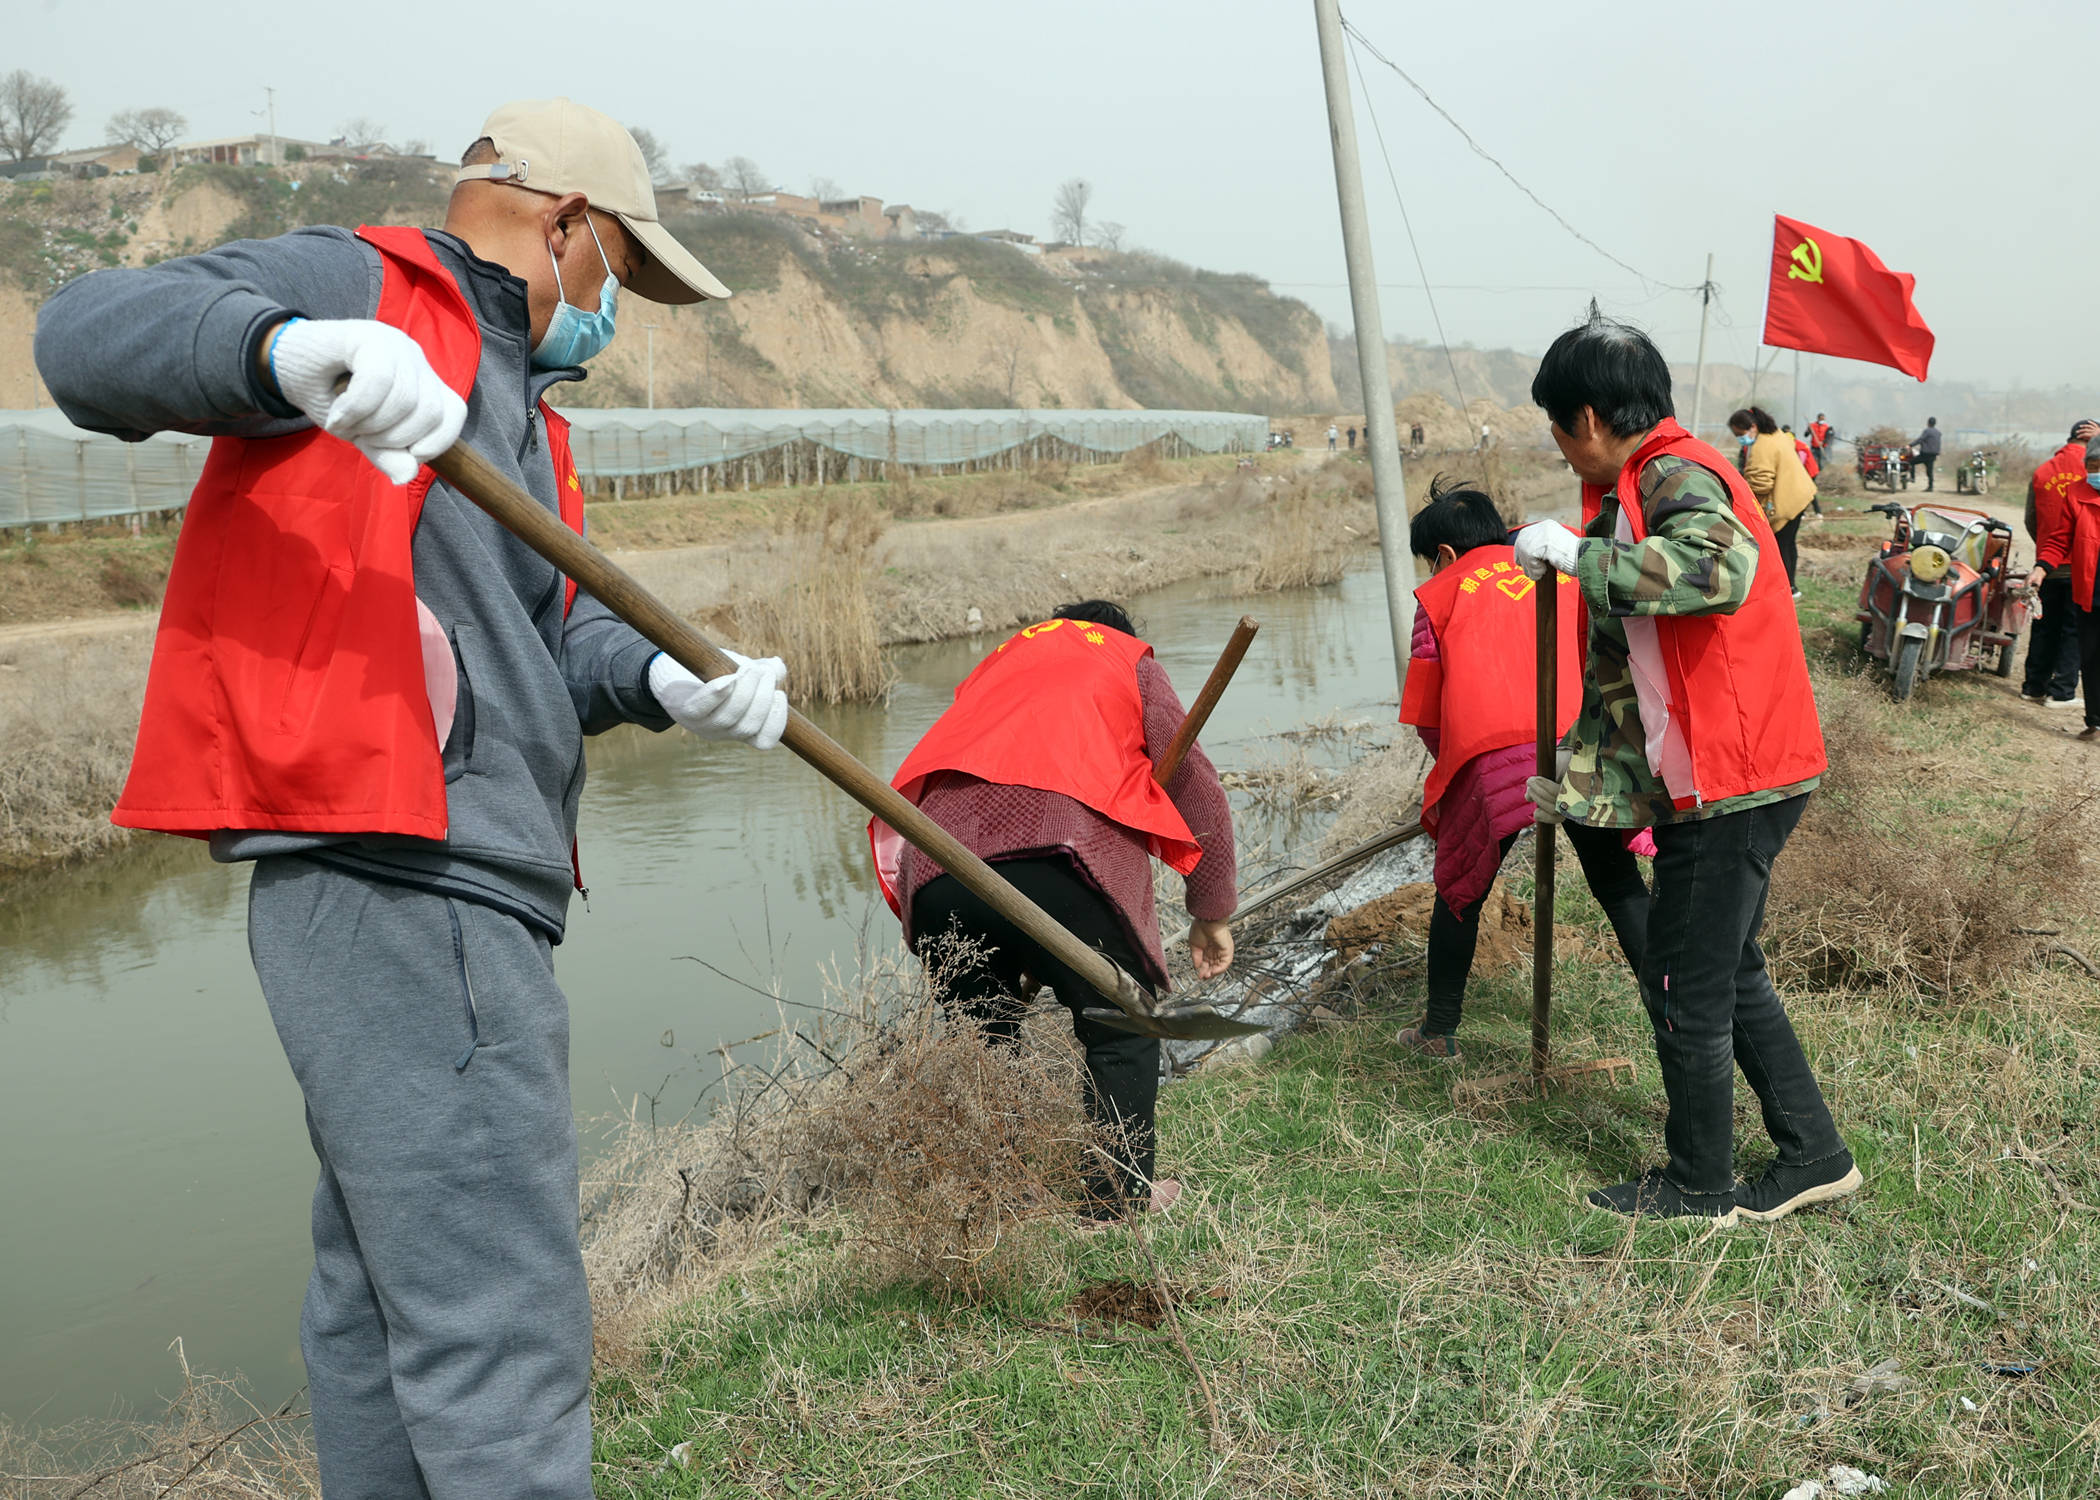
1544 792
747 704
395 410
1547 544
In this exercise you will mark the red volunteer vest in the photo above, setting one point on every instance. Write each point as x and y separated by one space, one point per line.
286 689
1819 433
2067 518
1056 708
1481 693
1738 683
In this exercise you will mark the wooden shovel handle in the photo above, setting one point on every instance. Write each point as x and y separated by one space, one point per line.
1213 690
1548 590
538 528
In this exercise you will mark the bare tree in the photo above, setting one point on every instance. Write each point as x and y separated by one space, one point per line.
415 147
152 130
361 134
1109 235
33 114
935 221
655 155
826 189
745 178
1068 210
701 175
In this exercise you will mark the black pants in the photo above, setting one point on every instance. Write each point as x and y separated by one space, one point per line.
1122 1068
1614 878
1787 536
1926 461
1712 1004
2052 644
2089 654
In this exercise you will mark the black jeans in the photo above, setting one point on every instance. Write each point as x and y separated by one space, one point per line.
1712 1004
1122 1068
1787 536
2089 656
1614 878
1925 461
2052 644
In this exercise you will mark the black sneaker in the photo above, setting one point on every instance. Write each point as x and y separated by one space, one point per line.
1654 1196
1784 1188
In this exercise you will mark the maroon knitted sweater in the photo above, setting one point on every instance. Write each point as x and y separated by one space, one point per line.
998 822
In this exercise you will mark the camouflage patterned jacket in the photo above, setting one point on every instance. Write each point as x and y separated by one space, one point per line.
1696 559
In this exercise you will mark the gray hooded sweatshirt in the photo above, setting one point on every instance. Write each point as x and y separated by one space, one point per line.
173 346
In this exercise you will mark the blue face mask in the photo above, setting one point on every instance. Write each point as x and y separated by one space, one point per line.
1746 438
574 335
2093 480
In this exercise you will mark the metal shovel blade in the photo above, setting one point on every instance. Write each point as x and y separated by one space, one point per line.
1198 1023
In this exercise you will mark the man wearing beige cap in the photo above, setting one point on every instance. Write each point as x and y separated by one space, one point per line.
368 689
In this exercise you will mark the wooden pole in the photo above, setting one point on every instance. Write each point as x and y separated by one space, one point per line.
1548 590
1213 689
521 515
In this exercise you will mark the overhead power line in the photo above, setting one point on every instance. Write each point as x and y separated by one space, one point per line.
1393 177
1482 152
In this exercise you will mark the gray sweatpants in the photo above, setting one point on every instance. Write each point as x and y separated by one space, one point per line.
447 1326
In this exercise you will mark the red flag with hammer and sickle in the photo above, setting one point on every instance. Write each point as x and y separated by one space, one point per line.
1831 295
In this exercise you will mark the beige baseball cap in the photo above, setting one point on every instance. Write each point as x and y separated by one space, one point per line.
559 146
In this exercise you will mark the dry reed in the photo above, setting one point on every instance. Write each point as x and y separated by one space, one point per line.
211 1443
68 709
812 606
1304 544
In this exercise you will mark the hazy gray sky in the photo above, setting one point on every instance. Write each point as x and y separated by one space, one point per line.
1954 139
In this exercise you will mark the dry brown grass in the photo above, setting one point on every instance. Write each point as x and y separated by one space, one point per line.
941 1161
68 709
212 1443
811 606
1891 883
1305 541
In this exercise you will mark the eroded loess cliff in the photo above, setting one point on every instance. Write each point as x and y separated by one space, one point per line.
817 320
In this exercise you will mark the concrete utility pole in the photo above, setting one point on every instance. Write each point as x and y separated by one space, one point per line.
276 150
1381 438
1706 297
650 328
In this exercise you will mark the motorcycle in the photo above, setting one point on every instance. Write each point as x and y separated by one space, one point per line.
1885 464
1974 476
1940 595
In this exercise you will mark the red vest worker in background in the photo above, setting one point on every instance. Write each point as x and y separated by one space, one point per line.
1697 721
365 686
1043 766
1472 696
2064 497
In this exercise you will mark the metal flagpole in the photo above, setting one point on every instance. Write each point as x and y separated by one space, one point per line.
1798 428
1706 297
1381 436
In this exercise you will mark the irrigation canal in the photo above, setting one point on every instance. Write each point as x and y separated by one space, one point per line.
156 1173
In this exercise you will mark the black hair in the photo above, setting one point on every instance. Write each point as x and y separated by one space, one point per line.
2081 422
480 154
1099 612
1611 368
1745 417
1932 421
1457 516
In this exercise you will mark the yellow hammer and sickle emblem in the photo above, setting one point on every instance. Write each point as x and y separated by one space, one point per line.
1808 263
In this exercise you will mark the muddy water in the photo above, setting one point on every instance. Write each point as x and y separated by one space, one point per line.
155 1170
